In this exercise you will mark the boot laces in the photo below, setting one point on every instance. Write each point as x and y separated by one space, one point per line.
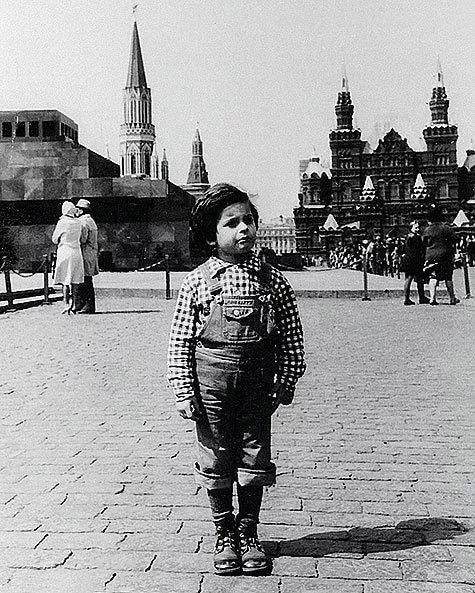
248 541
225 539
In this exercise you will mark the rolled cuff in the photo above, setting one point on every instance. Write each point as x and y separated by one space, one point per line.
256 477
211 480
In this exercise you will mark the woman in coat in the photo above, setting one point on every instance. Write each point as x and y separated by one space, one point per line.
69 264
413 264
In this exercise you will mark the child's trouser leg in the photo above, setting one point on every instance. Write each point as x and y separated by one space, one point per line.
226 551
221 504
250 500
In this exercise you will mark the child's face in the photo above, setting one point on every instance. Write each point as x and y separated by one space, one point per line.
235 232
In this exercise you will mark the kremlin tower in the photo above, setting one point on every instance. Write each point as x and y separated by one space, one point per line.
137 133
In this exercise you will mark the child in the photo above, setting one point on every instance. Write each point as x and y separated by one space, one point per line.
235 354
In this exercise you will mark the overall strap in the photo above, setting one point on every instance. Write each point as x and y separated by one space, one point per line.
265 275
214 285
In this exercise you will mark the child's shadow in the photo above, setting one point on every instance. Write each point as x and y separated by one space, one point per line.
361 540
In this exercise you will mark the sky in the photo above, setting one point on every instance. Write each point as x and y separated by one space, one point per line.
261 77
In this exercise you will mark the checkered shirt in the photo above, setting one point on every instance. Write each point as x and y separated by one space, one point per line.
240 279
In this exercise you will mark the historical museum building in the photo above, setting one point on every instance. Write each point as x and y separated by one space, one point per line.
380 190
141 215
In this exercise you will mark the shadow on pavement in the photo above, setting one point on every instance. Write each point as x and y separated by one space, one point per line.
128 311
361 540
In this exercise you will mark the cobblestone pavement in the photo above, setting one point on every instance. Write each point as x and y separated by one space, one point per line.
96 493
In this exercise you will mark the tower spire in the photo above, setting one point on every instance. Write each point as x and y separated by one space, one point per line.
197 173
440 75
344 107
345 87
197 182
165 170
439 104
136 74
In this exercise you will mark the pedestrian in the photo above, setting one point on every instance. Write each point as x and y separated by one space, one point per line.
413 264
235 354
69 269
90 254
439 240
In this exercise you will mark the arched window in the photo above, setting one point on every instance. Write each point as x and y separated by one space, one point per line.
406 190
133 163
346 192
394 191
443 189
146 162
381 189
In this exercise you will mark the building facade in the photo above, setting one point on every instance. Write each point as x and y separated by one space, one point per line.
374 188
278 235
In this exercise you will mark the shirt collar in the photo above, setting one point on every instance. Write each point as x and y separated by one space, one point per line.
217 265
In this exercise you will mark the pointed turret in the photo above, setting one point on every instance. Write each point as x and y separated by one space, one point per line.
344 107
197 173
419 191
439 104
165 170
155 163
197 182
345 86
137 133
368 193
440 136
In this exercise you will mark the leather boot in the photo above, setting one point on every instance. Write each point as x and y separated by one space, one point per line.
226 550
253 557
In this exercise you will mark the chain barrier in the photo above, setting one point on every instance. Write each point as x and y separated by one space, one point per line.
7 266
151 266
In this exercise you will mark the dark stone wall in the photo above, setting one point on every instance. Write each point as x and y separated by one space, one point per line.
139 220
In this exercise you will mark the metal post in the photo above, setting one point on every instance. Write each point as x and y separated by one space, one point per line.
167 277
46 300
365 277
8 288
466 277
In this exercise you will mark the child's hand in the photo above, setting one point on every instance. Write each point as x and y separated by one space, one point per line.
280 395
189 409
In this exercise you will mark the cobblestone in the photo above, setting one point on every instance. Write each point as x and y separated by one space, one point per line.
374 458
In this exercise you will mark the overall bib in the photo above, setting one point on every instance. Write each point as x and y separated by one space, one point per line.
235 368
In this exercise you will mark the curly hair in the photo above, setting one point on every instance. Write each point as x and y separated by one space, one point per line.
207 211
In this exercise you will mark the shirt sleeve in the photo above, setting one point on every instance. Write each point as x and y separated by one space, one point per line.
290 350
182 344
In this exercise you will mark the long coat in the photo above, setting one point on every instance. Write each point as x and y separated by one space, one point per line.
413 258
69 265
89 246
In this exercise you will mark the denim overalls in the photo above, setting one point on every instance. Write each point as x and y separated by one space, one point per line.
235 366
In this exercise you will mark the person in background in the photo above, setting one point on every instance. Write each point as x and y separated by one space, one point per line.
413 264
90 254
439 241
69 269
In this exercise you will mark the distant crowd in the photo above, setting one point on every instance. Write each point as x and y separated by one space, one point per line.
385 255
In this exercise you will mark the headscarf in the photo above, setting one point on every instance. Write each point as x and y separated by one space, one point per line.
68 209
